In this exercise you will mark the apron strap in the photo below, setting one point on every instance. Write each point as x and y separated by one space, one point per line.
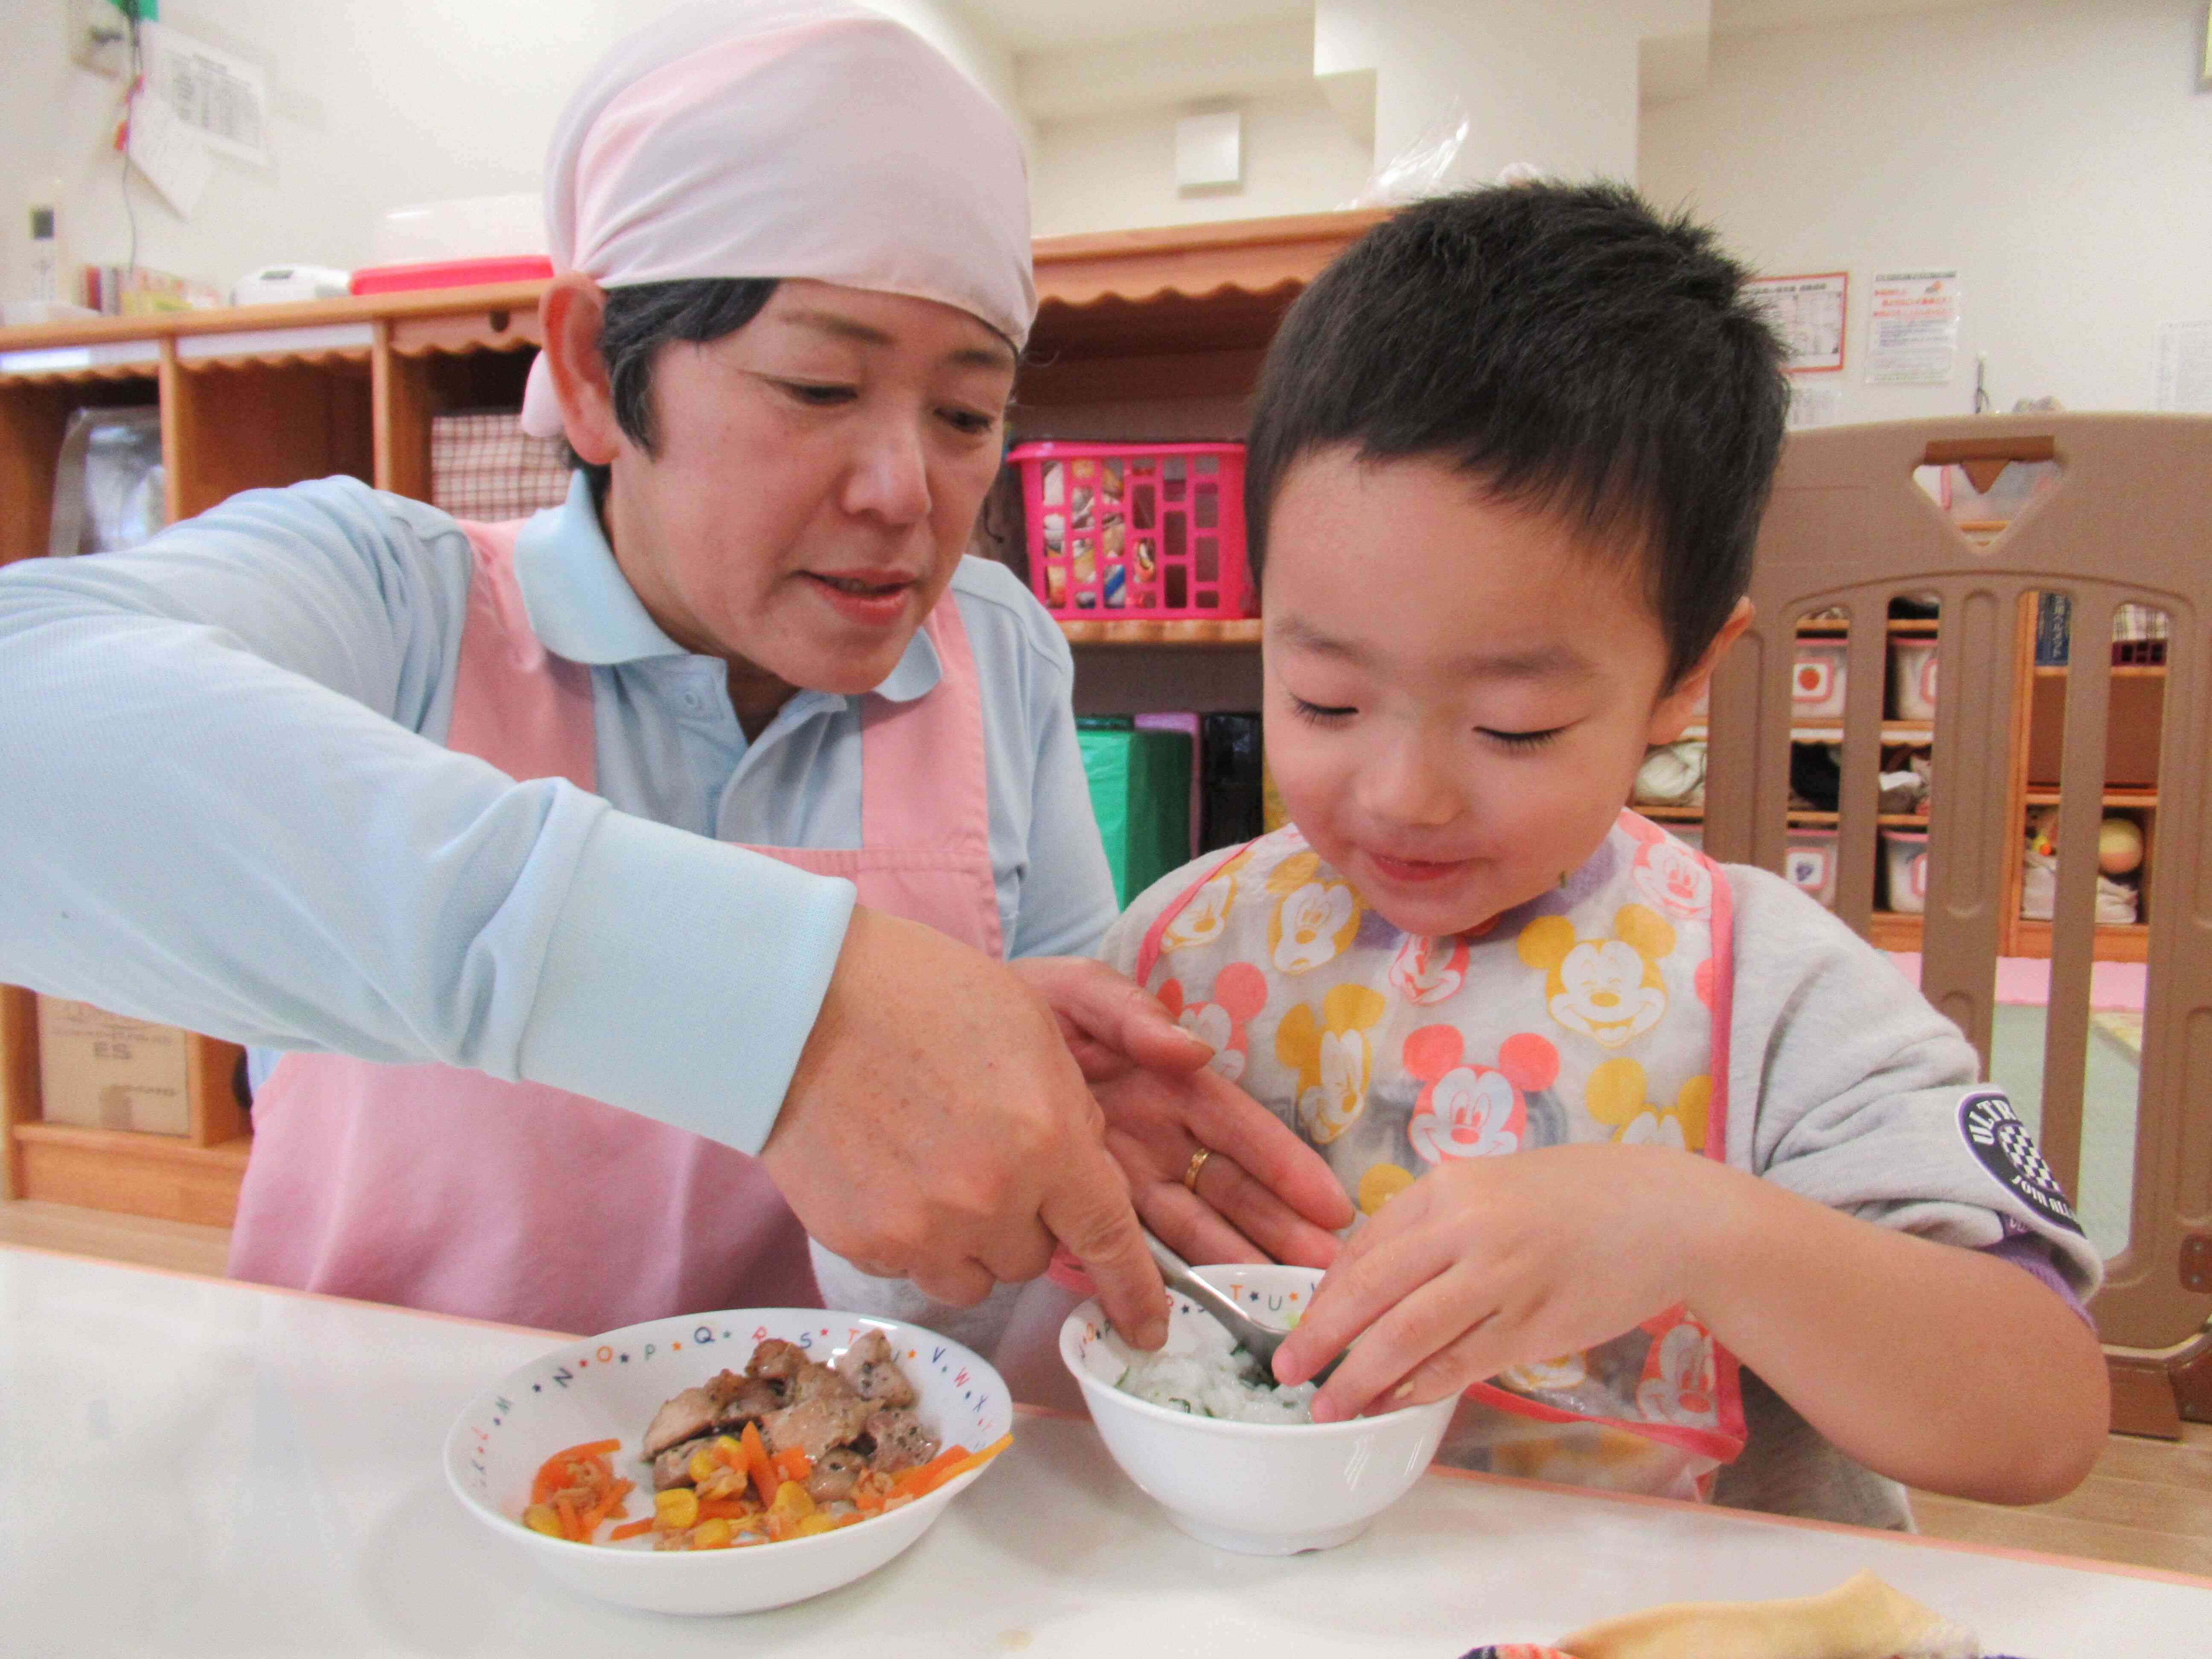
502 703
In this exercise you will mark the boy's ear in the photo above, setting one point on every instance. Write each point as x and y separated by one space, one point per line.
1675 711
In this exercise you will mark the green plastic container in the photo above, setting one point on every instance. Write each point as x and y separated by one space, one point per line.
1140 795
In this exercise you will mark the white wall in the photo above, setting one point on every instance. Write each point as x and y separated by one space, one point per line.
1115 172
1548 82
2056 152
373 105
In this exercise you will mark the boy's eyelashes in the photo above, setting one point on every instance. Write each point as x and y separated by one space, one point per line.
1523 741
1316 713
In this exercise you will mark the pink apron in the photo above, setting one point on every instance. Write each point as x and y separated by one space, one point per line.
437 1188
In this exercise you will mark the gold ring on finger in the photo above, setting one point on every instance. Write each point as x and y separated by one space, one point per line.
1197 1163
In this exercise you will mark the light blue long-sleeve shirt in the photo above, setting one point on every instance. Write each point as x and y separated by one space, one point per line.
224 805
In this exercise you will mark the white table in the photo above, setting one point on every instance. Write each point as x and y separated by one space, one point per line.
189 1465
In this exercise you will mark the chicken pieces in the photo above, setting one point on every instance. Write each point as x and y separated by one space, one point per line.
849 1418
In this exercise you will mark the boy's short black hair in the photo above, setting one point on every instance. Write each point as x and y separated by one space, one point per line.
1567 347
640 319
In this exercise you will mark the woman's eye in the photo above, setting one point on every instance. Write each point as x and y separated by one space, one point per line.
815 395
1319 714
971 421
1523 741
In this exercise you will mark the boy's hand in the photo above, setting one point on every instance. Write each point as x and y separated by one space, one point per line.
1262 1195
1490 1262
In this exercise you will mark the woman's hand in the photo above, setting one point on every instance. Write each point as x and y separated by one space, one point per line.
1486 1263
936 1129
1261 1195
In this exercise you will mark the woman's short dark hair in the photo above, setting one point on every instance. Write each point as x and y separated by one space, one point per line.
1568 348
637 321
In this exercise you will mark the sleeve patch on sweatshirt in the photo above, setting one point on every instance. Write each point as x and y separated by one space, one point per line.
2007 1150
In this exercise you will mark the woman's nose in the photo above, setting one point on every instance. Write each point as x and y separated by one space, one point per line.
890 475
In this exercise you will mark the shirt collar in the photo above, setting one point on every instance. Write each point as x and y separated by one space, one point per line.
582 607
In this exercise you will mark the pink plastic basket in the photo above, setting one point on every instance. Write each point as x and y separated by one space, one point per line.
1136 531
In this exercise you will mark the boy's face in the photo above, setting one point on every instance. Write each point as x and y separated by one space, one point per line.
1459 691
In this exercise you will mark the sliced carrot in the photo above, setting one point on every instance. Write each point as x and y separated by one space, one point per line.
607 1504
571 1524
793 1464
976 1459
907 1480
726 1509
765 1480
929 1483
867 1502
634 1529
553 1472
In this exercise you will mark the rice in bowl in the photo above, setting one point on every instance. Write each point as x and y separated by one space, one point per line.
1205 1376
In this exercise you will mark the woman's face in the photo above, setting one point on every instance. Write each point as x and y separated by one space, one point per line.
815 481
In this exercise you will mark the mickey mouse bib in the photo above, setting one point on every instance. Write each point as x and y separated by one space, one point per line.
1598 1012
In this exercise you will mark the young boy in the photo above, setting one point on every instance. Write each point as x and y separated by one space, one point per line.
1617 1117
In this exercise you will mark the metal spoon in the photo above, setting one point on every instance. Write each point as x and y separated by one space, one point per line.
1257 1340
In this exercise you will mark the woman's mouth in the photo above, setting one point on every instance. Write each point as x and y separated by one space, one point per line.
875 598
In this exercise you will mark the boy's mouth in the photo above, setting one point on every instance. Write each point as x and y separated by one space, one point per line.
1414 871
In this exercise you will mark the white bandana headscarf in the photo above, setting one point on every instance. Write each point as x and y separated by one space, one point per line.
782 139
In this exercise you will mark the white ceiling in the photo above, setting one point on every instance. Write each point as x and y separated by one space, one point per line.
1040 25
1026 25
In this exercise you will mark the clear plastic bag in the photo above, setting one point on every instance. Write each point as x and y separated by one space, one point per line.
1418 169
110 488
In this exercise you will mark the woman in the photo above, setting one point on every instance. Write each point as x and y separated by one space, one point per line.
268 767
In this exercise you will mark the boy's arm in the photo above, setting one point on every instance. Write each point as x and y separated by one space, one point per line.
1946 1367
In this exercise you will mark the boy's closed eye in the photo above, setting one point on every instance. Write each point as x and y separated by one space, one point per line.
1327 714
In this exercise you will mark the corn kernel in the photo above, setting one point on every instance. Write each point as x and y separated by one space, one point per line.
676 1509
793 1501
704 1465
814 1523
731 1452
540 1517
714 1534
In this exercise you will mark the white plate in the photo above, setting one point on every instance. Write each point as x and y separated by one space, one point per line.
607 1388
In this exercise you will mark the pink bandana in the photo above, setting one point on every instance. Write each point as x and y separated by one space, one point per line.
808 138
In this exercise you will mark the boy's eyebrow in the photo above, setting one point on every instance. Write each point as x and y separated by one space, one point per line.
848 328
1552 661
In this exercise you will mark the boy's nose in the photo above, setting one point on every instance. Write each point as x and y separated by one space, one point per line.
1408 783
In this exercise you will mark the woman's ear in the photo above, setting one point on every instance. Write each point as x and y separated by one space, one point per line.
1675 711
572 309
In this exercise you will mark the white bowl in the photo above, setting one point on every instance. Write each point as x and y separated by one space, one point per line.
1258 1488
607 1388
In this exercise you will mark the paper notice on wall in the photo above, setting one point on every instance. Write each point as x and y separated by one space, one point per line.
1815 405
2184 367
1912 328
223 99
1807 313
168 152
